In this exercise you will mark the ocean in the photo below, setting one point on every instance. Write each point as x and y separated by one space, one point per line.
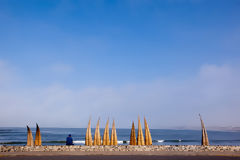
57 136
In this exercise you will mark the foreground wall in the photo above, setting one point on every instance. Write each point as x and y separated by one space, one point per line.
186 148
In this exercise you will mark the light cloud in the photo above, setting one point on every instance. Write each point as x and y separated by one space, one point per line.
62 68
167 102
6 73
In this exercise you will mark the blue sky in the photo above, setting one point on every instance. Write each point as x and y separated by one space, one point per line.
103 58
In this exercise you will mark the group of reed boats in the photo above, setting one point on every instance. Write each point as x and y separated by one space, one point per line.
38 139
97 141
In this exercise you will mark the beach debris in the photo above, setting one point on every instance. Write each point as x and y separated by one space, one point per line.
29 137
205 141
133 135
88 137
97 137
148 138
38 139
106 140
140 139
113 135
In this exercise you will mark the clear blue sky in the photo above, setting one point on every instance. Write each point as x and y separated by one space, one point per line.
115 54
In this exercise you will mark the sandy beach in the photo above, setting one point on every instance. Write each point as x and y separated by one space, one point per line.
120 152
119 155
101 157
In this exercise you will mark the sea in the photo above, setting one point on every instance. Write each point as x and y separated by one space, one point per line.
57 136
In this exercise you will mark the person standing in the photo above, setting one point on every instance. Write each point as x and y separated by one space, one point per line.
69 140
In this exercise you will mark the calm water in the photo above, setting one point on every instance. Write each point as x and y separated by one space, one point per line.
57 136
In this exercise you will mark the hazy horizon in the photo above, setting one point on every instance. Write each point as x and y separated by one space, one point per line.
197 128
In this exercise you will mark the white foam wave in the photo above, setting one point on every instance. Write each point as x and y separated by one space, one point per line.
83 142
79 142
160 141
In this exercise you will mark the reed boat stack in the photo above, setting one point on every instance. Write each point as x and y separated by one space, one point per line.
113 135
106 140
133 136
29 137
38 138
97 137
148 137
205 141
88 137
140 139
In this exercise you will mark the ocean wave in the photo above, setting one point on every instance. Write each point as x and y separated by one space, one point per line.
21 142
54 141
119 141
83 142
13 142
180 140
79 142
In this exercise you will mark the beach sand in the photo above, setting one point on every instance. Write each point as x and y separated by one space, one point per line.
130 157
120 156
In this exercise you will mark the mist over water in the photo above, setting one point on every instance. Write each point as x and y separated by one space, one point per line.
57 136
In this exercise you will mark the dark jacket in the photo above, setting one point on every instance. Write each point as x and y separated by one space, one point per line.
69 141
